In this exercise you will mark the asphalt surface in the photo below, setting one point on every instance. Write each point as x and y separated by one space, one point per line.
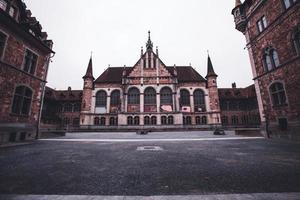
176 168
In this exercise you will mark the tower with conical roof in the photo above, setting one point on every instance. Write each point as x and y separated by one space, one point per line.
212 86
88 85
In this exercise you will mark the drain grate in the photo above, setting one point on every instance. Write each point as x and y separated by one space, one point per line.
149 148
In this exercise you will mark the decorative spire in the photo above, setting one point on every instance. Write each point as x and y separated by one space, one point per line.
142 51
157 51
89 71
238 3
149 43
210 68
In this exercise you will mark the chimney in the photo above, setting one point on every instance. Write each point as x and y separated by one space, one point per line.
234 85
69 89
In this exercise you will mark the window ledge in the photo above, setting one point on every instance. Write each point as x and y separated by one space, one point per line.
280 106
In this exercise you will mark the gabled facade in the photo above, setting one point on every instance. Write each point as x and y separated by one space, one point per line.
272 31
150 94
25 53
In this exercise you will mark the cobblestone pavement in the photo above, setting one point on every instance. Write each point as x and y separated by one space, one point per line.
176 168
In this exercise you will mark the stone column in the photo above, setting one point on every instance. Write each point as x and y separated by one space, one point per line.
125 102
174 102
108 104
141 102
177 96
192 103
158 102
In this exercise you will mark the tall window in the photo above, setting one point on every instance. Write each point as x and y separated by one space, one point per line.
296 39
199 101
22 100
150 96
184 98
96 121
101 99
170 120
204 120
166 96
224 120
115 98
289 3
262 24
113 121
102 121
147 120
153 120
133 96
77 107
163 120
270 59
30 62
68 107
136 120
129 120
2 43
278 94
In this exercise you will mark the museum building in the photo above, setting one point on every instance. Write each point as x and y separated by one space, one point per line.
150 94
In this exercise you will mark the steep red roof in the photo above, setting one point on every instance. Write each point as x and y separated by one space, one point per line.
237 93
184 74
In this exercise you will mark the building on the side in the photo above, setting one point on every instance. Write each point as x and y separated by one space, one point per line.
150 94
61 109
239 108
25 53
272 31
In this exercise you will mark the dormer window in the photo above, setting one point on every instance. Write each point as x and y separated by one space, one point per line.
3 5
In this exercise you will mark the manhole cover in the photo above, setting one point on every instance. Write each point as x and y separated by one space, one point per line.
149 148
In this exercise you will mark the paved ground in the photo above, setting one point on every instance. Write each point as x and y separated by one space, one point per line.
87 167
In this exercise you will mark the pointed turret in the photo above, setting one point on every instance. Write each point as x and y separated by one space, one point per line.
89 71
210 68
149 43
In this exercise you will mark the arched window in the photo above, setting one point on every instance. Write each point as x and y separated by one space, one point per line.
184 98
204 120
22 100
270 59
96 121
166 96
113 121
153 120
198 120
170 120
133 96
102 121
199 101
115 98
278 94
101 98
136 120
147 120
129 120
150 96
163 120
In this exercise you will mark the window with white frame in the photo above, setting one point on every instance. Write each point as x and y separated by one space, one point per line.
30 62
262 24
270 59
278 94
289 3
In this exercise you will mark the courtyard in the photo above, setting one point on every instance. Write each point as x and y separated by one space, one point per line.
126 164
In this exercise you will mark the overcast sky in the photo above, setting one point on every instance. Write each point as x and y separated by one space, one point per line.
115 30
